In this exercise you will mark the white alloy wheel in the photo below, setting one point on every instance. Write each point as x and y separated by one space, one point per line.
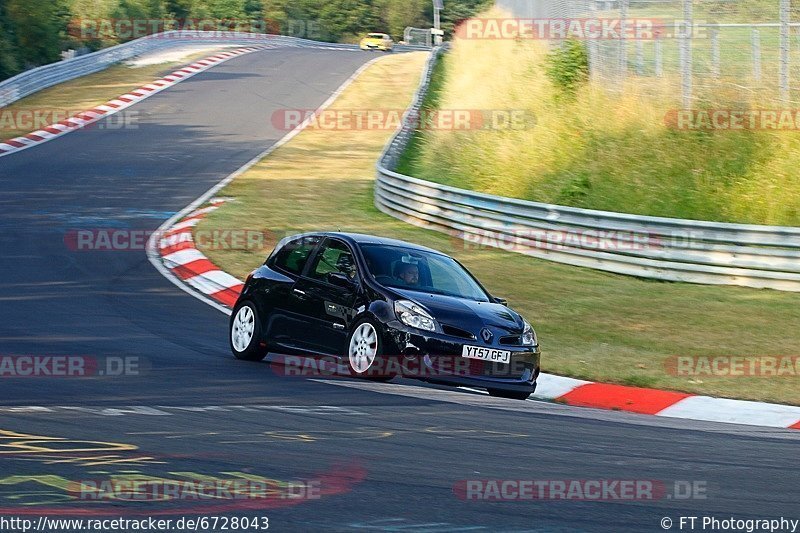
242 329
363 348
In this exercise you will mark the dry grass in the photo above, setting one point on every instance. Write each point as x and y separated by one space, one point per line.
606 150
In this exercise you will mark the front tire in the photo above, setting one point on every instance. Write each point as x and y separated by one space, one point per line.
244 328
364 352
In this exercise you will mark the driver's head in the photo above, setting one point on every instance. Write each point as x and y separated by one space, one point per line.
409 273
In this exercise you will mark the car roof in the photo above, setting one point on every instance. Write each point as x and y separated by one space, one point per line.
360 238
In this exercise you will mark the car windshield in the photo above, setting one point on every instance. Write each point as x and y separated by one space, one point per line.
418 270
375 36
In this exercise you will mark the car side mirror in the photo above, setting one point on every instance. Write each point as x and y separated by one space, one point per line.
501 301
340 280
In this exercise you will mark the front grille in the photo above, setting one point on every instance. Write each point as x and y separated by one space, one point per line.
457 332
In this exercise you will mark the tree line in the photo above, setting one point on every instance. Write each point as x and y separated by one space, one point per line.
36 32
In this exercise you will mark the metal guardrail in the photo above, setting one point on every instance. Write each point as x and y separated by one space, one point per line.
650 247
34 80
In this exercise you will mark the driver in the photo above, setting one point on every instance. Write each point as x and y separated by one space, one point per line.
408 273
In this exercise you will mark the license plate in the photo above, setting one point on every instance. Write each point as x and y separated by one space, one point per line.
486 354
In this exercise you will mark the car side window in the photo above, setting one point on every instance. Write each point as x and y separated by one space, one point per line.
294 254
333 257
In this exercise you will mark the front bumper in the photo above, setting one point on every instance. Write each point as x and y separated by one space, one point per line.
437 358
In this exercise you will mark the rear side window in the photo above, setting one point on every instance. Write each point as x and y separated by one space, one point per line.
294 254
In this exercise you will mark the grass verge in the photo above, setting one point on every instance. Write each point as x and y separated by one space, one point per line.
591 324
73 97
612 150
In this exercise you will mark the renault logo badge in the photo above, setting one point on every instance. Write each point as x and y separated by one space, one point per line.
486 335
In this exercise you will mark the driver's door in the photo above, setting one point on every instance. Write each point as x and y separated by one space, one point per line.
326 295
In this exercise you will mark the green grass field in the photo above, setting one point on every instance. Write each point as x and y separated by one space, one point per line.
592 325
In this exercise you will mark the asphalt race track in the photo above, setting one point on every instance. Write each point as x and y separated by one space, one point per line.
387 457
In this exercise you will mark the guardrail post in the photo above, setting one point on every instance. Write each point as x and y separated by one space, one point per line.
623 41
715 56
593 47
785 51
686 54
756 46
639 57
659 52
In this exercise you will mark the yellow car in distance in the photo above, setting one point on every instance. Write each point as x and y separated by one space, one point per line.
377 41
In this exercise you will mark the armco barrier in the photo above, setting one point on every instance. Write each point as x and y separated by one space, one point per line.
39 78
650 247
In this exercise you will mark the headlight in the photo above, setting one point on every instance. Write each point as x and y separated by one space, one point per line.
413 315
529 336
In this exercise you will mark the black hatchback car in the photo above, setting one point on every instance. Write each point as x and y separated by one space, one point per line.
380 308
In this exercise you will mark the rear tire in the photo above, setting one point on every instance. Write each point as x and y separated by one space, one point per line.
243 333
511 395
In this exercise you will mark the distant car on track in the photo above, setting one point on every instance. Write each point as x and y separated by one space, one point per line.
369 302
377 41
